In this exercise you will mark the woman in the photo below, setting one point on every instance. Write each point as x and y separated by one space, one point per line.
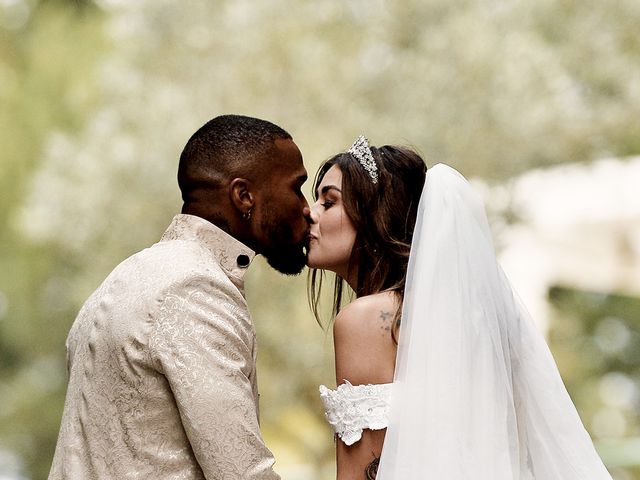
440 372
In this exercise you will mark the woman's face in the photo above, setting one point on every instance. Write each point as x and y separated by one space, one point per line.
332 233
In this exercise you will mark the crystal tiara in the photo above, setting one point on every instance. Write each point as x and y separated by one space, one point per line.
361 151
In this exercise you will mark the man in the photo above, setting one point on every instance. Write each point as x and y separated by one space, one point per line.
162 380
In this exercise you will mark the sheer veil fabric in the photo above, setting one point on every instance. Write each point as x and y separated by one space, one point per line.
477 394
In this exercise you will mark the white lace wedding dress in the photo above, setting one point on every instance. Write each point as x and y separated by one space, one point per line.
350 409
476 393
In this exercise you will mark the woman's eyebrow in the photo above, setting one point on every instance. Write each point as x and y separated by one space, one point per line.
326 188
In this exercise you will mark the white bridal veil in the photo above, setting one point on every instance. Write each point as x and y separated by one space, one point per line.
477 395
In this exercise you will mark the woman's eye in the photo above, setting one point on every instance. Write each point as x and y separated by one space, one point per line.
327 204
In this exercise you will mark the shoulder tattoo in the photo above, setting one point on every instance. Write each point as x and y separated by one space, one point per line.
385 317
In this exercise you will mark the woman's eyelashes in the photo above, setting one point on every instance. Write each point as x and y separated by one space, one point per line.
326 201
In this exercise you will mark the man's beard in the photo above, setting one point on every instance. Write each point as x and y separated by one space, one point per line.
286 257
290 259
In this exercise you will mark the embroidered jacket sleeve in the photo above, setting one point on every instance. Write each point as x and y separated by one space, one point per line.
203 343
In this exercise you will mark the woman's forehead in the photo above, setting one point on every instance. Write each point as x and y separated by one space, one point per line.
332 177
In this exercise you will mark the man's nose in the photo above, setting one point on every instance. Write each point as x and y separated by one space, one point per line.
310 214
306 211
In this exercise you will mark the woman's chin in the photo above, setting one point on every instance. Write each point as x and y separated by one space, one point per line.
312 259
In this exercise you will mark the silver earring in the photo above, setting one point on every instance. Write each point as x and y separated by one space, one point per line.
247 215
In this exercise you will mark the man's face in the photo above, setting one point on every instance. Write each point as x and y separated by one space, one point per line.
281 211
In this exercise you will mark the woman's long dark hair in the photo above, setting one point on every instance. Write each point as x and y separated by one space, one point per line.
384 216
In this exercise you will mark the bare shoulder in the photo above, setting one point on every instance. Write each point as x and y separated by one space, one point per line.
367 315
365 350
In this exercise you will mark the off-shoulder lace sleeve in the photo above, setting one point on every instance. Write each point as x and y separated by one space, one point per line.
350 409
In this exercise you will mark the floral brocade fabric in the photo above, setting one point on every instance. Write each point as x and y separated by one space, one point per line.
162 368
350 409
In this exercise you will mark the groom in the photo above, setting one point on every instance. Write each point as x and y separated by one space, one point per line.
162 356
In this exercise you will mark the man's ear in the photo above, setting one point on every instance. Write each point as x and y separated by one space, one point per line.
240 194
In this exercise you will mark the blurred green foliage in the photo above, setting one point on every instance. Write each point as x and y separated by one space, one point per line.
596 342
97 100
46 62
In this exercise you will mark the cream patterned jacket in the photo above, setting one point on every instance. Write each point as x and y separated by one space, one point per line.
162 367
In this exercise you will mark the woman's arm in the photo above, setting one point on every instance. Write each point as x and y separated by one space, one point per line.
365 354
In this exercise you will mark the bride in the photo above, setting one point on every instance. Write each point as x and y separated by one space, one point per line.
440 371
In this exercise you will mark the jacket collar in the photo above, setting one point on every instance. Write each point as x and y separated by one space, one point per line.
233 256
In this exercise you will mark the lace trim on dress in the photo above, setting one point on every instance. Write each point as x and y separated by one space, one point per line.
350 409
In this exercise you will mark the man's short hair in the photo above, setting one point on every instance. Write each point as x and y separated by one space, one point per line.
226 147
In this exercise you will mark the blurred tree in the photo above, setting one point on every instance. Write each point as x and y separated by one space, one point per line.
93 127
44 84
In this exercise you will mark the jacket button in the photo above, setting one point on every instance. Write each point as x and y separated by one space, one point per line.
243 261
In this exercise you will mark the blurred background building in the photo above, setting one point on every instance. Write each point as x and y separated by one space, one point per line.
538 102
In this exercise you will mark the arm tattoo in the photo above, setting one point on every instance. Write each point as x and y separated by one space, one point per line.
371 471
